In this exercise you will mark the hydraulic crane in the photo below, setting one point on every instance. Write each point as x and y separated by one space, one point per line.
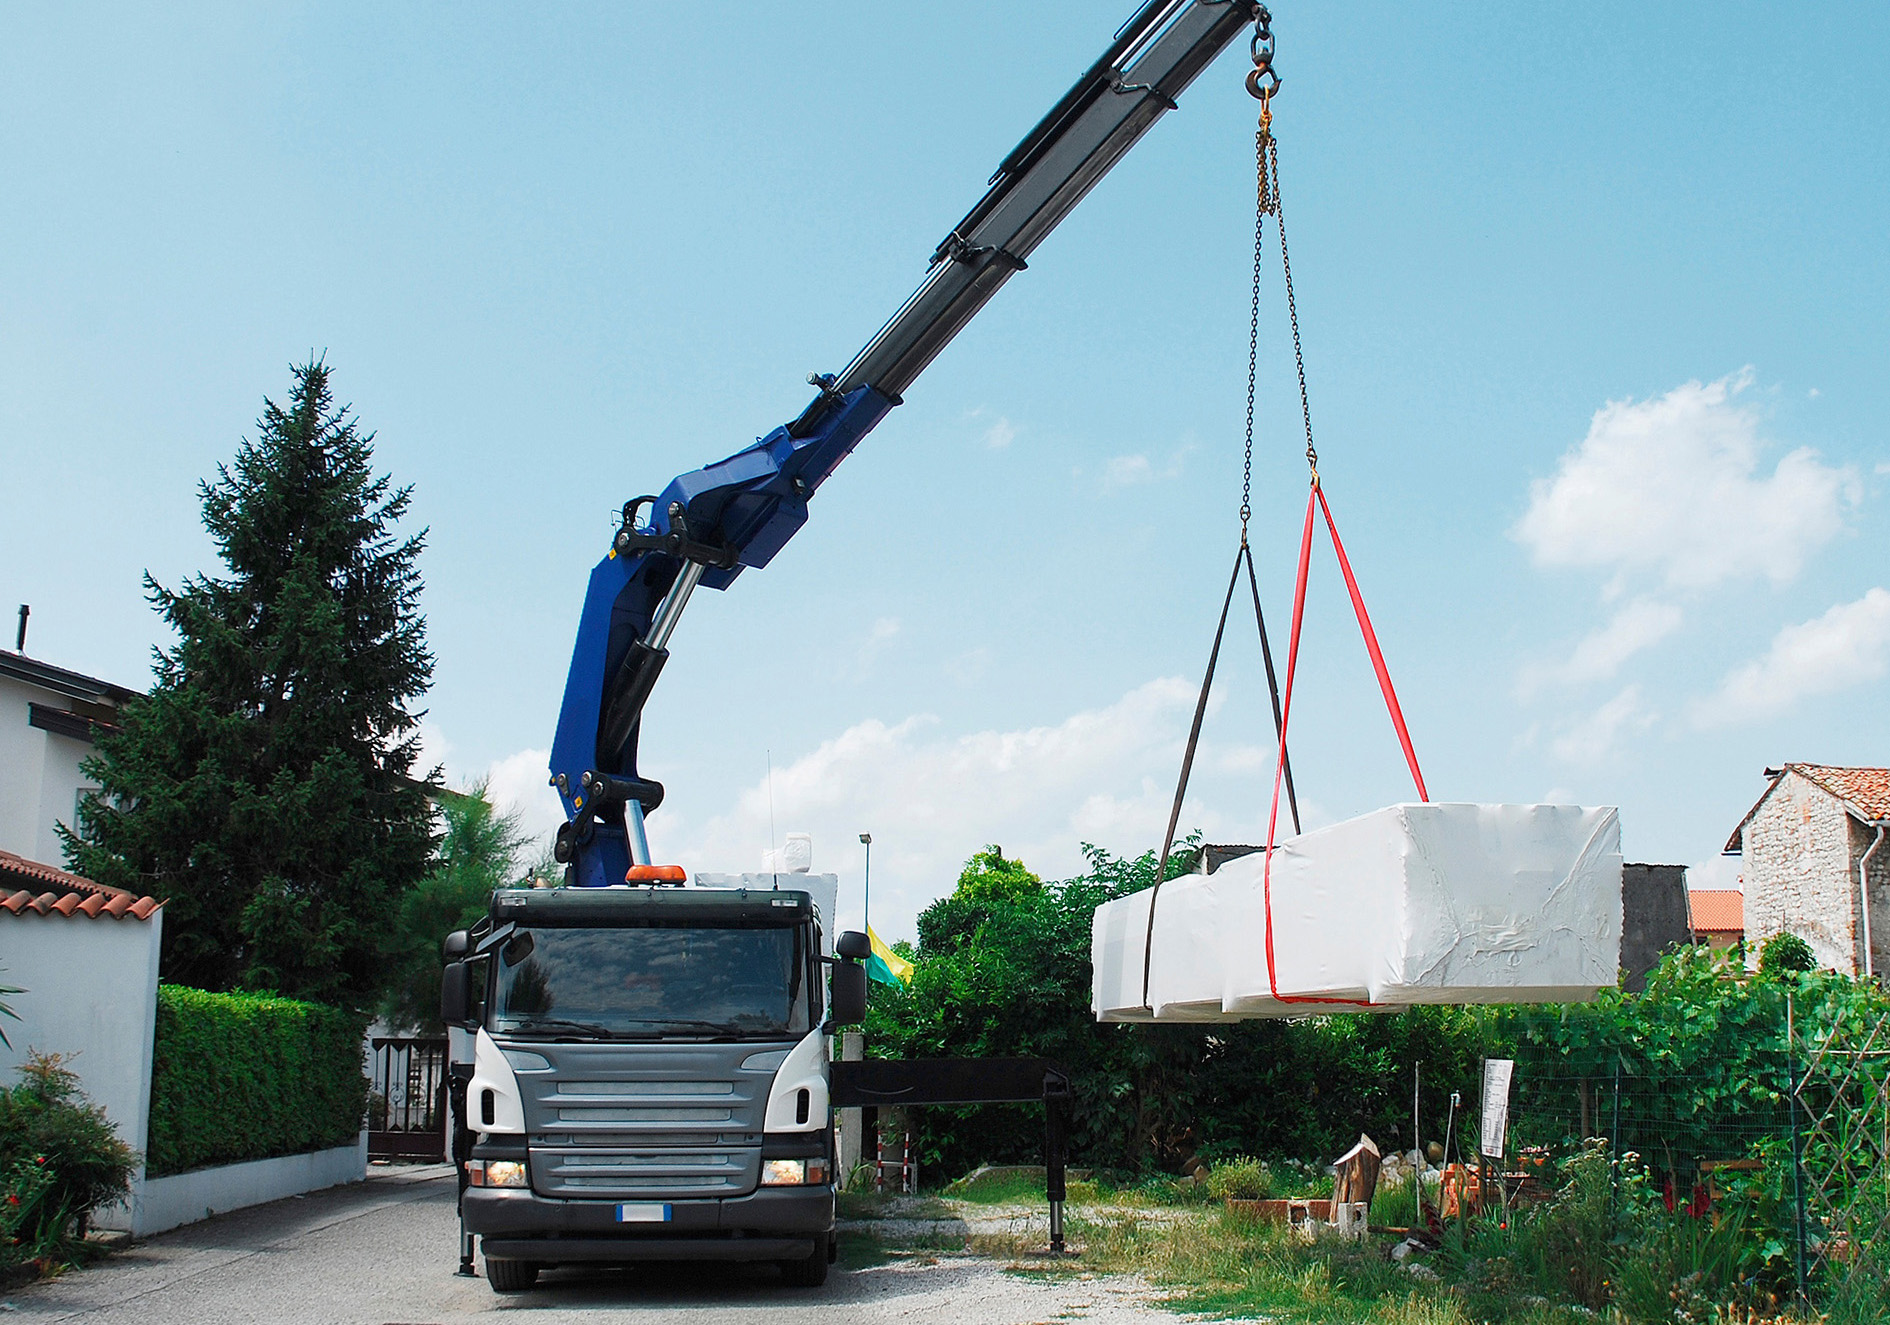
708 525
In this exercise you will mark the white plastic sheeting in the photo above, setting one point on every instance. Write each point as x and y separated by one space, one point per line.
1411 904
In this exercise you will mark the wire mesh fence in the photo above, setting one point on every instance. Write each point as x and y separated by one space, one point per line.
1841 1093
1794 1147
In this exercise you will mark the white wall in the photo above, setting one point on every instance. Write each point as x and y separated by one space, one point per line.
91 992
39 775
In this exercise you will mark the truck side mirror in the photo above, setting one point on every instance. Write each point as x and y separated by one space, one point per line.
853 946
849 993
456 994
455 946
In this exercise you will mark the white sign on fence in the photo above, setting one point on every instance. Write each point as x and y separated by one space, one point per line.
1496 1075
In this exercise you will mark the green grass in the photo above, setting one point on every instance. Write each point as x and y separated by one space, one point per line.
1004 1187
1223 1264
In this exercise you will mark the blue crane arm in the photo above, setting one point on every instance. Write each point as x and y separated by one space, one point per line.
707 525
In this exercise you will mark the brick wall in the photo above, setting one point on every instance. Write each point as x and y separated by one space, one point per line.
1801 850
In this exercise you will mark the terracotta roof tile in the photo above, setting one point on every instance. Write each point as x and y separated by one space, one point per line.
1864 791
1718 910
73 903
20 868
55 892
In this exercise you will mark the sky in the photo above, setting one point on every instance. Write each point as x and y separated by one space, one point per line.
1596 311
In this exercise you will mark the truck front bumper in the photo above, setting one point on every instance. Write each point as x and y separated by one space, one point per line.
772 1224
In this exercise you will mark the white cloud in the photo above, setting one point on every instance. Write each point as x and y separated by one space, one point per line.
969 667
520 784
1847 646
931 798
1122 471
1716 872
517 783
1672 488
1590 739
1000 434
878 640
1639 625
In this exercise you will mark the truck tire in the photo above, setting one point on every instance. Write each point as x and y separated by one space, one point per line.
811 1272
508 1276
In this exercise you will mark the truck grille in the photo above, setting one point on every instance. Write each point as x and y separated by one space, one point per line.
656 1122
663 1174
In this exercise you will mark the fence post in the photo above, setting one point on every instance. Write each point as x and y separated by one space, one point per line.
1798 1152
1614 1145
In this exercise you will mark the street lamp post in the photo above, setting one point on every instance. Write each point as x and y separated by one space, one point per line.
866 902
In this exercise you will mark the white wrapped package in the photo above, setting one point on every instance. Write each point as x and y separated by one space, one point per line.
1411 904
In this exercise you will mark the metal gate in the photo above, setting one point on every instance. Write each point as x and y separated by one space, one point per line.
407 1103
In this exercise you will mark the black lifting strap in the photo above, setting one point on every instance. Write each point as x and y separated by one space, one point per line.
1244 557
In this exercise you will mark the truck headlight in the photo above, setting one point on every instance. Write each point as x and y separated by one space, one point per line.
793 1172
498 1173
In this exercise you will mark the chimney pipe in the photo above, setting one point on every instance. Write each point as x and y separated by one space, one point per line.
19 643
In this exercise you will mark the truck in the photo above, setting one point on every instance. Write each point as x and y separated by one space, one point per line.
642 1059
649 1076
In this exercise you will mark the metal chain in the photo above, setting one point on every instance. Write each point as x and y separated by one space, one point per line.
1292 308
1253 325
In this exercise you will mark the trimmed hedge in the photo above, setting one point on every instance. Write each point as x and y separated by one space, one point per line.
237 1077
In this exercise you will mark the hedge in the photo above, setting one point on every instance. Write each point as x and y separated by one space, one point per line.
237 1077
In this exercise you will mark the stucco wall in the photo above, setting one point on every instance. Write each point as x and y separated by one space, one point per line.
39 775
1800 875
91 992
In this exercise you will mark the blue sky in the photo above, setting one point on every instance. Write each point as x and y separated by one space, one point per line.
1596 323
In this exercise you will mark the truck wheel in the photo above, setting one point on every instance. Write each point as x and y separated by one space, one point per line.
811 1272
508 1276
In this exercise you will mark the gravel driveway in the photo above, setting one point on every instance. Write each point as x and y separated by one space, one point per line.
382 1252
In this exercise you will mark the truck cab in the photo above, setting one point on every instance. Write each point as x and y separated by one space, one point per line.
649 1077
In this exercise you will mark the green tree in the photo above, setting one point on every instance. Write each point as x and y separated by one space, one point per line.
479 851
264 787
1002 968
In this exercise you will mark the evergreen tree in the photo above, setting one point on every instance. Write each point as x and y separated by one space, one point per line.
479 852
263 788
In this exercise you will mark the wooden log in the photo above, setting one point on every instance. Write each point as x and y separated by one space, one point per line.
1355 1175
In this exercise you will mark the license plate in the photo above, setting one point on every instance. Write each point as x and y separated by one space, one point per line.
643 1214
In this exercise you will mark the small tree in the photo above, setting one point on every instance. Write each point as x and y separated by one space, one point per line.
263 788
478 852
1785 952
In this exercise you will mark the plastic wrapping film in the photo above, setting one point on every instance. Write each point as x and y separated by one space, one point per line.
1411 904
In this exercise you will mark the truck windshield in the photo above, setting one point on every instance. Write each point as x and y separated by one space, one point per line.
655 982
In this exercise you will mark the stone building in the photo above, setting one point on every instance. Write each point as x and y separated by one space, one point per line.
1817 864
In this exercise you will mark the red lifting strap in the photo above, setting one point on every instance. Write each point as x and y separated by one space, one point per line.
1318 497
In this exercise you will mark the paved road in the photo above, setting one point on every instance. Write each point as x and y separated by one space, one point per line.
382 1252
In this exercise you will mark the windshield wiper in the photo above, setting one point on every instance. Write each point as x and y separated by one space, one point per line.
555 1026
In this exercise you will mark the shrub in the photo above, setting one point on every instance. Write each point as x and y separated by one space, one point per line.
238 1077
1785 952
1566 1244
60 1160
1242 1179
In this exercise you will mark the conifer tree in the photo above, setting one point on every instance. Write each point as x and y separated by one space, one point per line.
264 787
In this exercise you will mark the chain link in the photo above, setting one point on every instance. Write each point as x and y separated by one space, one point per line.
1292 308
1253 324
